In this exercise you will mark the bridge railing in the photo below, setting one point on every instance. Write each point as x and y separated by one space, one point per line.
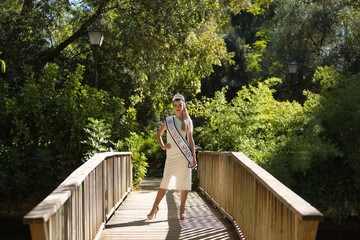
258 204
80 206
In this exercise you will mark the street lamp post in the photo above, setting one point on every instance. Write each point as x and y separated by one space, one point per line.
96 37
292 67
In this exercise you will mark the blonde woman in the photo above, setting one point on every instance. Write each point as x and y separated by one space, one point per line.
180 155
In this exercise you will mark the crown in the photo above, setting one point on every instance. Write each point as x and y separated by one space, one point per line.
178 97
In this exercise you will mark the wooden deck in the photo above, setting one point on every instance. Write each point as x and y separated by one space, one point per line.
203 220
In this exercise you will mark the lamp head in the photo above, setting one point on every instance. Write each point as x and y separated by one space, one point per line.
96 36
292 66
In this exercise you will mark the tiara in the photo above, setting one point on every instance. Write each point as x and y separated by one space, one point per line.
178 97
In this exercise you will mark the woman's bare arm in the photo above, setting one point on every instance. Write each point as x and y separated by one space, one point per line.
192 147
158 137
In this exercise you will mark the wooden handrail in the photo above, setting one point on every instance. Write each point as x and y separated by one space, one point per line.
80 206
256 202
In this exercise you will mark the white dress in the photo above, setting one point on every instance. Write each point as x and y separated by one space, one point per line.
177 174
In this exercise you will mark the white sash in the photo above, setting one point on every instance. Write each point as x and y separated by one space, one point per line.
182 144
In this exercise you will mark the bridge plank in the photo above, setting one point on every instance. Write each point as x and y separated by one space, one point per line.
202 222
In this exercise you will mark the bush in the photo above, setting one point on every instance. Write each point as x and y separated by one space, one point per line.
337 170
312 148
253 122
139 160
42 131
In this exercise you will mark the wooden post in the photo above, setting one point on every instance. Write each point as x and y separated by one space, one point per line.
39 231
306 229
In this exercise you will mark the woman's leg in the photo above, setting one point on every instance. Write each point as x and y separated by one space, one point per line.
183 197
160 194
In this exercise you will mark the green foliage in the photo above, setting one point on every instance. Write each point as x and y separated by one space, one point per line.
312 148
253 122
272 33
175 51
151 50
247 36
155 155
331 181
133 144
42 131
340 118
150 46
99 135
2 66
22 171
259 6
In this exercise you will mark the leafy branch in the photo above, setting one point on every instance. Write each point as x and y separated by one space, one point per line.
2 65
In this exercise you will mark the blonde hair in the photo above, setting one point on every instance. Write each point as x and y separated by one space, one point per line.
186 122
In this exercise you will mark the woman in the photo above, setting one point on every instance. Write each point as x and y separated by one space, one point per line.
180 155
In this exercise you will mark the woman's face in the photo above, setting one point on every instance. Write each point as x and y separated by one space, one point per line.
178 106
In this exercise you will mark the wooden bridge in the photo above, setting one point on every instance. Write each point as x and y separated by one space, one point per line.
96 202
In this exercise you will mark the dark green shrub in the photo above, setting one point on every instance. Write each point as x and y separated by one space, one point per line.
312 148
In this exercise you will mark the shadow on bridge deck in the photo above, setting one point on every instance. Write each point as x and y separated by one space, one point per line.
202 222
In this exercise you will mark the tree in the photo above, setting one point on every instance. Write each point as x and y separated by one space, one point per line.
311 143
152 50
314 33
311 148
151 46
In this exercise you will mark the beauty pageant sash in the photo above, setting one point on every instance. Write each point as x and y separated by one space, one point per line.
182 144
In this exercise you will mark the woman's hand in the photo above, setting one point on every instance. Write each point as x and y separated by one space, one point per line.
193 163
167 146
